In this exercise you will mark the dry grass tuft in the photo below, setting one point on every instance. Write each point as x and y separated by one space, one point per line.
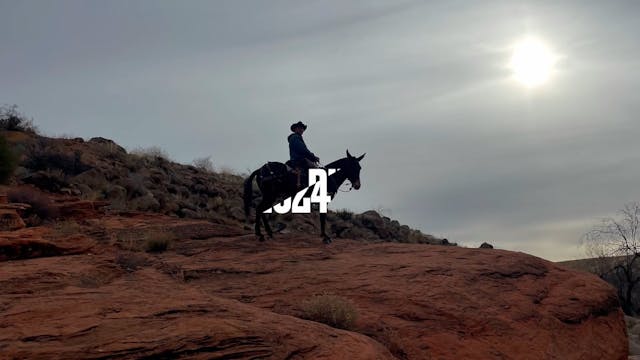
344 214
41 206
204 164
152 153
66 228
158 242
332 310
96 278
149 240
131 261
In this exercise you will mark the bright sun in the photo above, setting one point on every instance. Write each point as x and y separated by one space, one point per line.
532 62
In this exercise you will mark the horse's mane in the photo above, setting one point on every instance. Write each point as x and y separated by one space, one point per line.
335 164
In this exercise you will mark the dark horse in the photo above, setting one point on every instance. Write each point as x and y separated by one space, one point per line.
275 182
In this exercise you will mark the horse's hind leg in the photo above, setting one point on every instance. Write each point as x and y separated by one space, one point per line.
267 227
265 220
259 210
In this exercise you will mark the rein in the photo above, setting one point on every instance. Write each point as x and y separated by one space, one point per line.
350 188
338 189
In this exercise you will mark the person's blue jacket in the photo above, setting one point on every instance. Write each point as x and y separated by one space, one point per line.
298 150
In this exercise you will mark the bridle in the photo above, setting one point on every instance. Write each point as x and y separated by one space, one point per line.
350 188
338 189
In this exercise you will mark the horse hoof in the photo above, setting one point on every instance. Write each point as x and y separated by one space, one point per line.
261 238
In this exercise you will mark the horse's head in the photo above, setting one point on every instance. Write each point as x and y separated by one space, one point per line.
351 168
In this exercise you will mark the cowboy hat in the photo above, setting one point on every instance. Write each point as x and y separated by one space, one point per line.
298 124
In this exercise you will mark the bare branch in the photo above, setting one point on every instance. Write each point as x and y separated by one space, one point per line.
615 246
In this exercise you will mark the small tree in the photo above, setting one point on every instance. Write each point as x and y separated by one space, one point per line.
12 120
204 164
8 160
615 243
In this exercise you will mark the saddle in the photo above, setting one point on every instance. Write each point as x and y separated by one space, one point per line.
274 171
297 172
282 173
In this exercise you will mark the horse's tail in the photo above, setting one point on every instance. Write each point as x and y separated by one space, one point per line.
248 193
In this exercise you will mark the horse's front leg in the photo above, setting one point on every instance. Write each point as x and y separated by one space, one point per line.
265 219
267 227
323 221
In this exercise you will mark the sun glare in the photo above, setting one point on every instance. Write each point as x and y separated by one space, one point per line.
532 62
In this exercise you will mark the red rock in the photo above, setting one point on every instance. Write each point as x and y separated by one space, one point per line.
147 314
414 301
81 209
30 243
426 301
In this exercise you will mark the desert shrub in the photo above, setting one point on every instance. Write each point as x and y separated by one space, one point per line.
8 161
41 206
91 281
344 214
48 180
158 242
134 185
227 174
332 310
150 240
117 204
203 164
12 120
66 228
152 152
96 277
44 157
129 240
130 261
133 162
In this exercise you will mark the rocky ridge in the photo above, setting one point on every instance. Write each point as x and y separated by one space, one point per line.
145 180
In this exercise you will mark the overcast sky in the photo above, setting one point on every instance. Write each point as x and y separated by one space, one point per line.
455 146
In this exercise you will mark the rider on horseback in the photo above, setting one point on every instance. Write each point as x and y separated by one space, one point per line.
298 151
301 158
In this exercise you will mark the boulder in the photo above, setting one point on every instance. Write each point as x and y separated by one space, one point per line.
108 142
219 293
10 220
428 302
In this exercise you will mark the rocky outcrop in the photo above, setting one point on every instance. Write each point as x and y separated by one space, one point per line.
90 315
145 180
219 293
429 302
41 242
10 219
371 225
80 209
